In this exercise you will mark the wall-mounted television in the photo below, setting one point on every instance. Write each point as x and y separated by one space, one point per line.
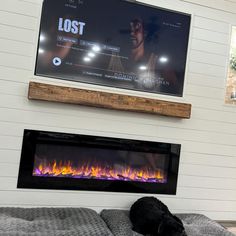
114 43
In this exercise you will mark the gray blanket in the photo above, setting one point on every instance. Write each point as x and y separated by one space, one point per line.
51 222
86 222
195 224
200 225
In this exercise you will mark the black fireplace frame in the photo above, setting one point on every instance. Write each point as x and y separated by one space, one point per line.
32 137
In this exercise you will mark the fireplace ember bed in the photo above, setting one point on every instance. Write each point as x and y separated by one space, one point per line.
51 160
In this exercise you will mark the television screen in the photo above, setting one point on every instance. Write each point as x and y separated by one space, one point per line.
114 43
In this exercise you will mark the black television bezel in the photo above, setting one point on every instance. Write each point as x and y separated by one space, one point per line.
110 86
27 180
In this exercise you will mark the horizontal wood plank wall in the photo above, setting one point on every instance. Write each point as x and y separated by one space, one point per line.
207 180
222 5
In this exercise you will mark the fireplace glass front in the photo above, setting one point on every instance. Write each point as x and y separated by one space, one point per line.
52 160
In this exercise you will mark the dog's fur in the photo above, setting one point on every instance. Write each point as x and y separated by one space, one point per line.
150 216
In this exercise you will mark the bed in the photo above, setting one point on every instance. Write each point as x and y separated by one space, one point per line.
87 222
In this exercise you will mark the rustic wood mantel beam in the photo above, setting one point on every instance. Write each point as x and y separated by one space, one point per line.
55 93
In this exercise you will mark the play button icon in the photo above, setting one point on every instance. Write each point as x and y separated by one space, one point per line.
56 61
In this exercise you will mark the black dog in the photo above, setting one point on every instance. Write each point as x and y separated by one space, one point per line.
150 216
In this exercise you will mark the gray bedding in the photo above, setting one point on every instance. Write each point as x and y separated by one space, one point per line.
195 224
51 222
86 222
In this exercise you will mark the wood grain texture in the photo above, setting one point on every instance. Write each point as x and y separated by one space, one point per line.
54 93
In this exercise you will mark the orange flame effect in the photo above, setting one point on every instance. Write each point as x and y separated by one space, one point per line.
66 169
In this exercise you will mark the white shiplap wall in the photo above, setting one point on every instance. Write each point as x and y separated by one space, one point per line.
207 180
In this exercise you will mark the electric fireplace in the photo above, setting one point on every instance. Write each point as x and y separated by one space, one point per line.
51 160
